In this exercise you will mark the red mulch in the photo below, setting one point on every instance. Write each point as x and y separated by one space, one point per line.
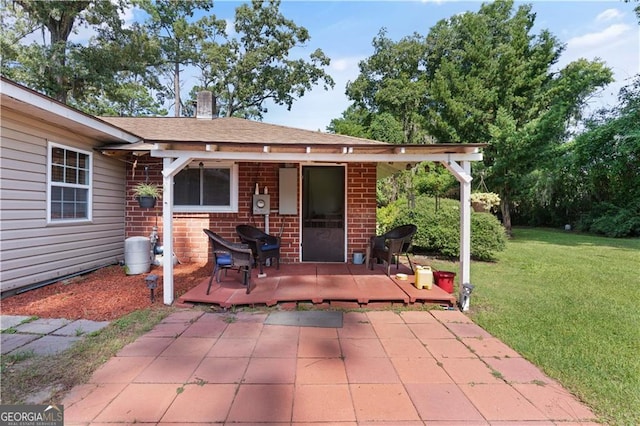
103 295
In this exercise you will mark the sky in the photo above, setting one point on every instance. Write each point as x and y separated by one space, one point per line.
608 30
344 30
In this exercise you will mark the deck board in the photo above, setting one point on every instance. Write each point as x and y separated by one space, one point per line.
317 283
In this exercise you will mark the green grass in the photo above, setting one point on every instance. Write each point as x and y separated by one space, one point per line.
25 374
569 303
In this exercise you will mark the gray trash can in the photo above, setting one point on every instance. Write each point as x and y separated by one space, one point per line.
137 255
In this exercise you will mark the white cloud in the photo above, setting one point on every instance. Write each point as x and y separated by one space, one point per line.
609 35
345 64
618 45
609 15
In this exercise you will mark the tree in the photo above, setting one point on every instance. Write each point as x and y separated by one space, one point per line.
392 81
53 67
358 122
388 97
354 122
107 74
180 40
254 66
491 81
16 25
480 77
604 161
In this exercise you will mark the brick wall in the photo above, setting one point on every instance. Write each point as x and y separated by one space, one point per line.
140 221
361 206
191 244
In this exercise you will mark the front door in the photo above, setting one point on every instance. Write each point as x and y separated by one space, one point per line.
323 214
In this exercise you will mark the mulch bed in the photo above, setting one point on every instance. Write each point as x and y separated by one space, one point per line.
102 295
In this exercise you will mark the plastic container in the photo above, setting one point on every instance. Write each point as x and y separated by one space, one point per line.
137 255
444 280
358 258
424 277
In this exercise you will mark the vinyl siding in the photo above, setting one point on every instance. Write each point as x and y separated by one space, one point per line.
32 251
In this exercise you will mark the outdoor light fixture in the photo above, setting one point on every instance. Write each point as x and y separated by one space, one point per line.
467 289
152 284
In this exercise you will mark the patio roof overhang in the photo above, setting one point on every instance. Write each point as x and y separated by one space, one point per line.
456 158
390 158
179 141
237 139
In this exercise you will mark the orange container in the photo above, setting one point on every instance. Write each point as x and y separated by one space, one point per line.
444 280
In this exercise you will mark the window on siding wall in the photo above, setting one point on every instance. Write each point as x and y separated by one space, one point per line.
69 184
206 187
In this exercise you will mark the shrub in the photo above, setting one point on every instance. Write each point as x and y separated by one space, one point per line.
439 231
487 236
612 221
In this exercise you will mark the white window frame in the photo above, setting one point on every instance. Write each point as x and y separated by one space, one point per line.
233 189
50 184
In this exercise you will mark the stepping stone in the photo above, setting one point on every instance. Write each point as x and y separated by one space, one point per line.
8 321
50 345
80 328
42 326
10 342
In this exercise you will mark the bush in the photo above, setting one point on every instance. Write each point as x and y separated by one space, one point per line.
612 221
439 231
488 236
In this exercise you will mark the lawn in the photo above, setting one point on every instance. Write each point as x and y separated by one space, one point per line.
570 304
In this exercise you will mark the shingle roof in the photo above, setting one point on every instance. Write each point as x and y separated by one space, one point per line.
227 130
237 139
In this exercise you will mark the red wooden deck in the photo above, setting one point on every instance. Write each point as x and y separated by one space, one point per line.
338 284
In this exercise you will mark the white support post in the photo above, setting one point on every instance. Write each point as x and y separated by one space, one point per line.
465 230
167 232
463 175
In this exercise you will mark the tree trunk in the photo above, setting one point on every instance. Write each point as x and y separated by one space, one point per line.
58 17
506 213
176 88
58 82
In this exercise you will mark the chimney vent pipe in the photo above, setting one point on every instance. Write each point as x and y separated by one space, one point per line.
205 108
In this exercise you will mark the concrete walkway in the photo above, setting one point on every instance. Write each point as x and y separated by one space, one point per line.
42 336
377 368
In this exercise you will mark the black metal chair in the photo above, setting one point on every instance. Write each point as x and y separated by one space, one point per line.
228 255
392 244
263 246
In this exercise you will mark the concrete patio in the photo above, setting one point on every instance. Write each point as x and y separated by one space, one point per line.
379 368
